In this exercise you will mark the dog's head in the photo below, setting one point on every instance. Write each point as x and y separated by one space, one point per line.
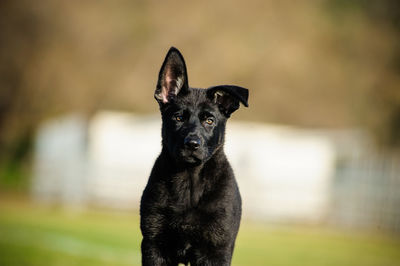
193 119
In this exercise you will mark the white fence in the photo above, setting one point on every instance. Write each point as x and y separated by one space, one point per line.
284 174
366 192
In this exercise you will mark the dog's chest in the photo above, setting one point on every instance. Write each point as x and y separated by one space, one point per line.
187 191
185 204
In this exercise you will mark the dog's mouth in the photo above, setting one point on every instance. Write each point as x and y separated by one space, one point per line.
193 157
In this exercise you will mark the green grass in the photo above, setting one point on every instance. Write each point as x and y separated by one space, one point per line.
34 235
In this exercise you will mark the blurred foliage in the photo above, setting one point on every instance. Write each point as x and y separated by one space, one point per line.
383 114
325 63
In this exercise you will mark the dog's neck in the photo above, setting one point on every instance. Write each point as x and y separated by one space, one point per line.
193 180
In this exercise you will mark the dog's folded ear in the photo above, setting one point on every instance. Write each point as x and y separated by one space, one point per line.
172 78
228 97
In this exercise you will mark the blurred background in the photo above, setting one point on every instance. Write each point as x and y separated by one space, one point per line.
316 155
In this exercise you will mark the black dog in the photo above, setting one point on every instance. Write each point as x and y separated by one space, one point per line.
191 207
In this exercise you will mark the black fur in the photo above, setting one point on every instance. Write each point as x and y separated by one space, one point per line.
191 207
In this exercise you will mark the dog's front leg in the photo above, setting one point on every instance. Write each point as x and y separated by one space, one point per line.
152 255
220 256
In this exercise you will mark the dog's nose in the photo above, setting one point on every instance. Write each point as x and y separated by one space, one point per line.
192 143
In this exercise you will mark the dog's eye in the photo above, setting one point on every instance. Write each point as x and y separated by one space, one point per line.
209 121
179 118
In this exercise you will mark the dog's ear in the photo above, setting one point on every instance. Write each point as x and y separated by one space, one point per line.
228 97
172 78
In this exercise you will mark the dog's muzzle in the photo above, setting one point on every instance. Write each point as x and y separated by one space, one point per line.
192 150
192 143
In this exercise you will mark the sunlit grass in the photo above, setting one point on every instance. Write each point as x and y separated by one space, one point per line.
34 235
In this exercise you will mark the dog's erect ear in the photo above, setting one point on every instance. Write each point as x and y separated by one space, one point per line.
172 78
228 97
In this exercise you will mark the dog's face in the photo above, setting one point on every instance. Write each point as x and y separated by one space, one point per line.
193 119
